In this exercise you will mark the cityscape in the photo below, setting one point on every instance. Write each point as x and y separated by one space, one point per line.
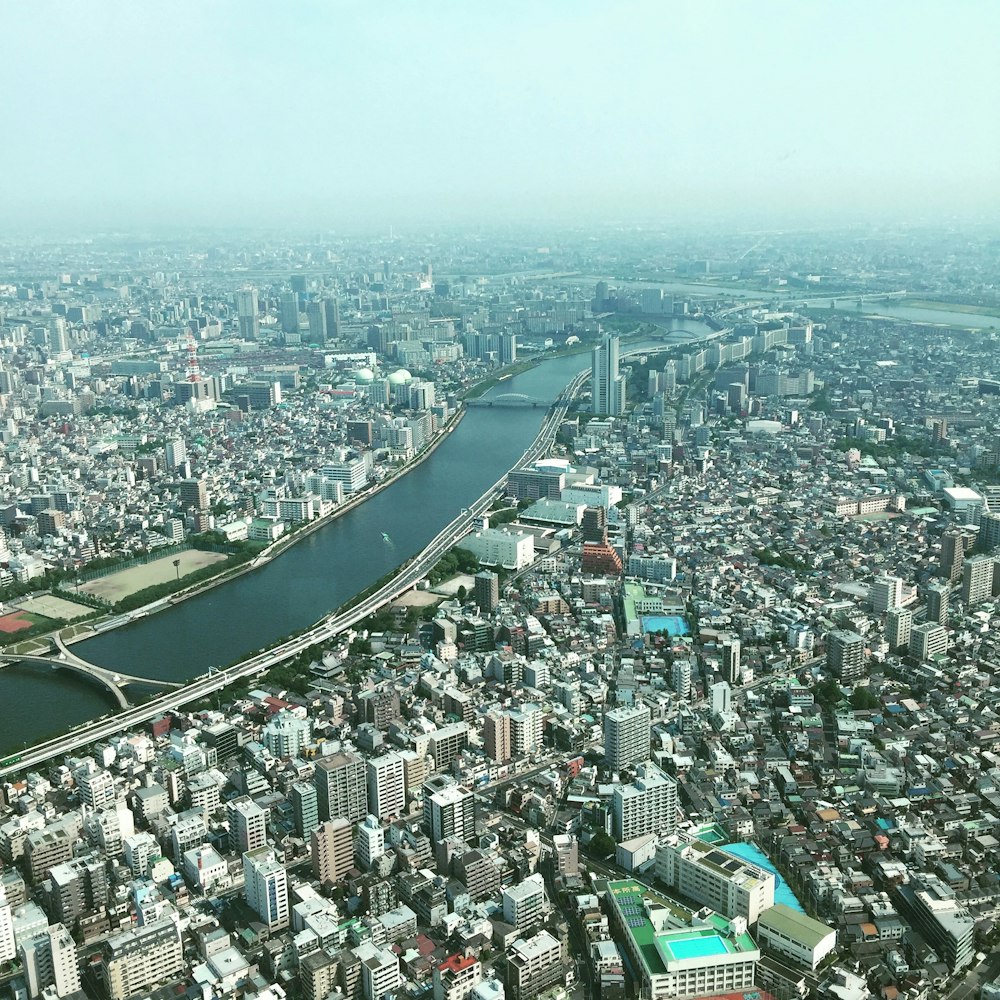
492 510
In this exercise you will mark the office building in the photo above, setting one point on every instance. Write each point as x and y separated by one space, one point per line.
940 919
977 579
379 971
305 808
266 887
794 936
289 312
898 623
248 314
331 849
193 494
140 959
450 812
332 309
928 640
247 825
731 665
845 655
316 313
526 728
953 552
712 877
524 904
938 602
487 591
989 531
341 788
607 384
496 736
594 524
513 550
456 977
627 736
533 965
710 957
49 961
386 786
885 592
646 805
369 842
722 698
176 454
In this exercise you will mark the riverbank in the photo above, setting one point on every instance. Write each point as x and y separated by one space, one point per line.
993 312
275 549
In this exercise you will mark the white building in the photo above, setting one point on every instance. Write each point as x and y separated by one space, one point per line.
369 842
266 888
646 805
379 971
8 947
204 867
49 959
512 550
627 736
526 728
524 904
795 936
286 735
386 786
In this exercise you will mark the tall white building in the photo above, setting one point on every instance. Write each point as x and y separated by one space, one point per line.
722 698
136 960
885 592
526 728
647 805
49 959
266 888
524 904
248 314
607 384
140 849
450 812
379 971
8 947
286 735
247 825
627 735
386 786
369 842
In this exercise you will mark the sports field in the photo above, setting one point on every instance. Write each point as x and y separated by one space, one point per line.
18 621
115 586
54 607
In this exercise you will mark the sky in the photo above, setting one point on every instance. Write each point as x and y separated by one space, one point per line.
331 115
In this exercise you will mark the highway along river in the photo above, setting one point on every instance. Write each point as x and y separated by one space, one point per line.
305 583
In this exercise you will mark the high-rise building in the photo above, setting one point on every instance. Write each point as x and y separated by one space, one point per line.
193 494
49 959
379 971
332 308
524 904
607 385
845 654
305 807
331 848
977 579
938 603
627 736
526 727
646 805
266 887
928 640
286 734
496 736
594 524
369 842
8 948
952 553
386 786
289 312
898 622
989 531
680 678
247 825
885 592
534 965
487 591
176 453
731 660
317 322
248 314
341 788
722 698
450 812
137 960
940 918
566 849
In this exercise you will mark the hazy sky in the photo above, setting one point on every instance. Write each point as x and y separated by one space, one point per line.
330 114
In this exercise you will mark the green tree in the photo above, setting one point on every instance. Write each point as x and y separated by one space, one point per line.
863 698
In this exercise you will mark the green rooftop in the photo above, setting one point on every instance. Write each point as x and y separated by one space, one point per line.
784 920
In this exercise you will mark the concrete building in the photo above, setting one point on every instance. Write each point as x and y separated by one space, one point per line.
646 805
331 848
977 579
456 977
898 623
845 655
627 736
305 807
712 877
885 592
496 737
944 923
526 728
928 640
386 786
533 965
247 825
49 960
607 383
796 937
341 787
524 904
513 550
142 958
450 812
379 971
266 887
369 842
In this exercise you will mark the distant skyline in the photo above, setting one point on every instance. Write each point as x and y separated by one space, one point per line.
348 114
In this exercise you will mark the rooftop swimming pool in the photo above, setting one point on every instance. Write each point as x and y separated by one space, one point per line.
684 949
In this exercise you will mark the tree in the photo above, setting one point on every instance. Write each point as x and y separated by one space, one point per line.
863 698
602 844
462 592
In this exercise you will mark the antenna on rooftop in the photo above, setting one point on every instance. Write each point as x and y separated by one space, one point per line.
193 370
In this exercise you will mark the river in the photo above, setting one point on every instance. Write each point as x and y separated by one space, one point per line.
308 581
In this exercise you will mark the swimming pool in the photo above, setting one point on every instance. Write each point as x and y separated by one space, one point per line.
671 624
698 947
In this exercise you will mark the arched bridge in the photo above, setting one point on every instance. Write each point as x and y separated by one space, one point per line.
512 399
64 659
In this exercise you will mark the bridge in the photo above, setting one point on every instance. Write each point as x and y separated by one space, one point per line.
513 399
64 659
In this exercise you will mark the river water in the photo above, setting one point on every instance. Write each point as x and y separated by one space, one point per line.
308 581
